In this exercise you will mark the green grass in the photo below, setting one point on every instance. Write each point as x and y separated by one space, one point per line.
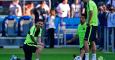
51 54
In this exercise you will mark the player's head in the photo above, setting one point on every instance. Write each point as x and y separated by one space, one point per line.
82 19
40 23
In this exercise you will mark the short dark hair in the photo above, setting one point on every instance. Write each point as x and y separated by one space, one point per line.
83 15
40 20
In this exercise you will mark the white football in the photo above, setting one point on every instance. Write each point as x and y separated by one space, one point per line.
77 58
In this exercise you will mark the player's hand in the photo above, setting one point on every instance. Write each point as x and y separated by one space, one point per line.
42 44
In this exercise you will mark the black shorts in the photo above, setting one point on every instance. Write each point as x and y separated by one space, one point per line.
30 49
90 34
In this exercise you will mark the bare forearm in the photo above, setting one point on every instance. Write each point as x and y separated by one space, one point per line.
39 40
33 39
74 38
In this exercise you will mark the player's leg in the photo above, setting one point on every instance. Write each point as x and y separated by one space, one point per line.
86 50
82 53
27 52
38 51
86 45
39 48
82 49
93 39
93 50
83 57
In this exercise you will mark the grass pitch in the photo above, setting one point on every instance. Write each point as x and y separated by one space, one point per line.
51 54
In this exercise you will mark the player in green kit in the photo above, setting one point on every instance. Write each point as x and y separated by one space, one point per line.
91 31
33 42
80 34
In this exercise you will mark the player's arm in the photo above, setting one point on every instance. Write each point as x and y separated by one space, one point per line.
90 12
32 37
39 39
32 30
90 16
73 39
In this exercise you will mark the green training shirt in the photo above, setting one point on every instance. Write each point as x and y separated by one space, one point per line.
32 32
81 33
91 6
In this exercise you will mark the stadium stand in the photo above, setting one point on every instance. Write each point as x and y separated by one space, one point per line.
11 26
16 28
1 21
25 24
